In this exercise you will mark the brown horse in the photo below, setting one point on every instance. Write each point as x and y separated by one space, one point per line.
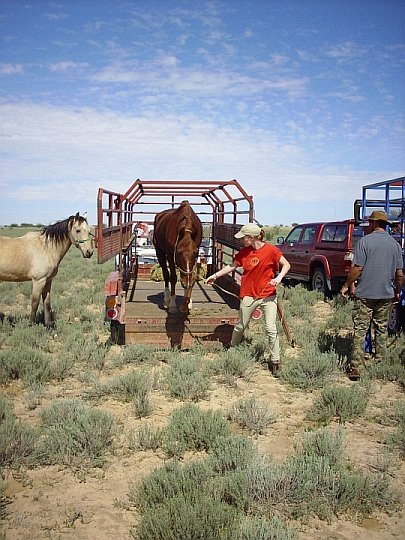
177 236
36 256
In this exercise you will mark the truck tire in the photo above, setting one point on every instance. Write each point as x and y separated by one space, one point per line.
318 281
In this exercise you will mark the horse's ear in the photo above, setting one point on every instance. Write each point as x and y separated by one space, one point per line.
85 216
77 215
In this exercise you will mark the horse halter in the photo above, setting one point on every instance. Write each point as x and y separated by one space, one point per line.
184 272
89 239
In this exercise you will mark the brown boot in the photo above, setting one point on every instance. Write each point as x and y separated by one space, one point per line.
353 374
274 368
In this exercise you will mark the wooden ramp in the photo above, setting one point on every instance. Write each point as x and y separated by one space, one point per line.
211 319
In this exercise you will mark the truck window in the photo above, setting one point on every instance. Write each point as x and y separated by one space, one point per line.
340 233
334 233
358 232
294 236
309 235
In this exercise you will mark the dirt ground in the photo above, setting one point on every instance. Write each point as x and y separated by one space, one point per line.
59 503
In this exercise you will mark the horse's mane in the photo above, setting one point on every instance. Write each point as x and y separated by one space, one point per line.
57 232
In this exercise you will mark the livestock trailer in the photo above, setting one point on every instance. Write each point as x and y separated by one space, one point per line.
133 300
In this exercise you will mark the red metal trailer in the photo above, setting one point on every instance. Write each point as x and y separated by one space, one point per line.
133 300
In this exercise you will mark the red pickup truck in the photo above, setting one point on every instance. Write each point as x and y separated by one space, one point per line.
321 253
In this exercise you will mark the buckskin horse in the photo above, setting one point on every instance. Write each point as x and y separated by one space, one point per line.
177 237
36 257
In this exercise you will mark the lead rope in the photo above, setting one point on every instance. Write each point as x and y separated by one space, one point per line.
280 313
236 296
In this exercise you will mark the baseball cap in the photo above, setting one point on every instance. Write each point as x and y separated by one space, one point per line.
250 229
379 215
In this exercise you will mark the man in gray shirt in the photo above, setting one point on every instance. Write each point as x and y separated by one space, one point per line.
377 265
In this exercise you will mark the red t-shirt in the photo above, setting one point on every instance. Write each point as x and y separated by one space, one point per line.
259 268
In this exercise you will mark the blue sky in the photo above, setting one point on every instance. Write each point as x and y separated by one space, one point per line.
302 101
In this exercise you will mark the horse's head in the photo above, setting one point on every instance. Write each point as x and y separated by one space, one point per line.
81 235
186 261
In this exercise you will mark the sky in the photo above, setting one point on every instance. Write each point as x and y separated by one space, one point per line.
301 101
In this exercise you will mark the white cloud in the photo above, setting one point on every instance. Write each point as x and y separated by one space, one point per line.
55 154
166 73
11 69
346 51
55 16
67 65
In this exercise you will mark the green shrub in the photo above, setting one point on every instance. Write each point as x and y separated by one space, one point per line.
6 409
196 429
17 442
25 363
187 481
79 347
73 434
325 442
134 384
188 378
311 369
341 315
11 365
262 528
231 488
342 402
132 387
231 452
234 363
63 366
251 415
137 354
32 336
146 438
142 405
35 393
308 484
390 369
179 519
397 438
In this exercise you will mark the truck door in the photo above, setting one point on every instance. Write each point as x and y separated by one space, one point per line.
289 247
334 243
305 249
298 248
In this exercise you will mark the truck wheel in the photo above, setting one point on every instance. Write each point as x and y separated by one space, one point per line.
318 282
394 319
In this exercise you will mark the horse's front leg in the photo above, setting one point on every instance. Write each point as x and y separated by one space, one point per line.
37 288
46 297
187 303
173 281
